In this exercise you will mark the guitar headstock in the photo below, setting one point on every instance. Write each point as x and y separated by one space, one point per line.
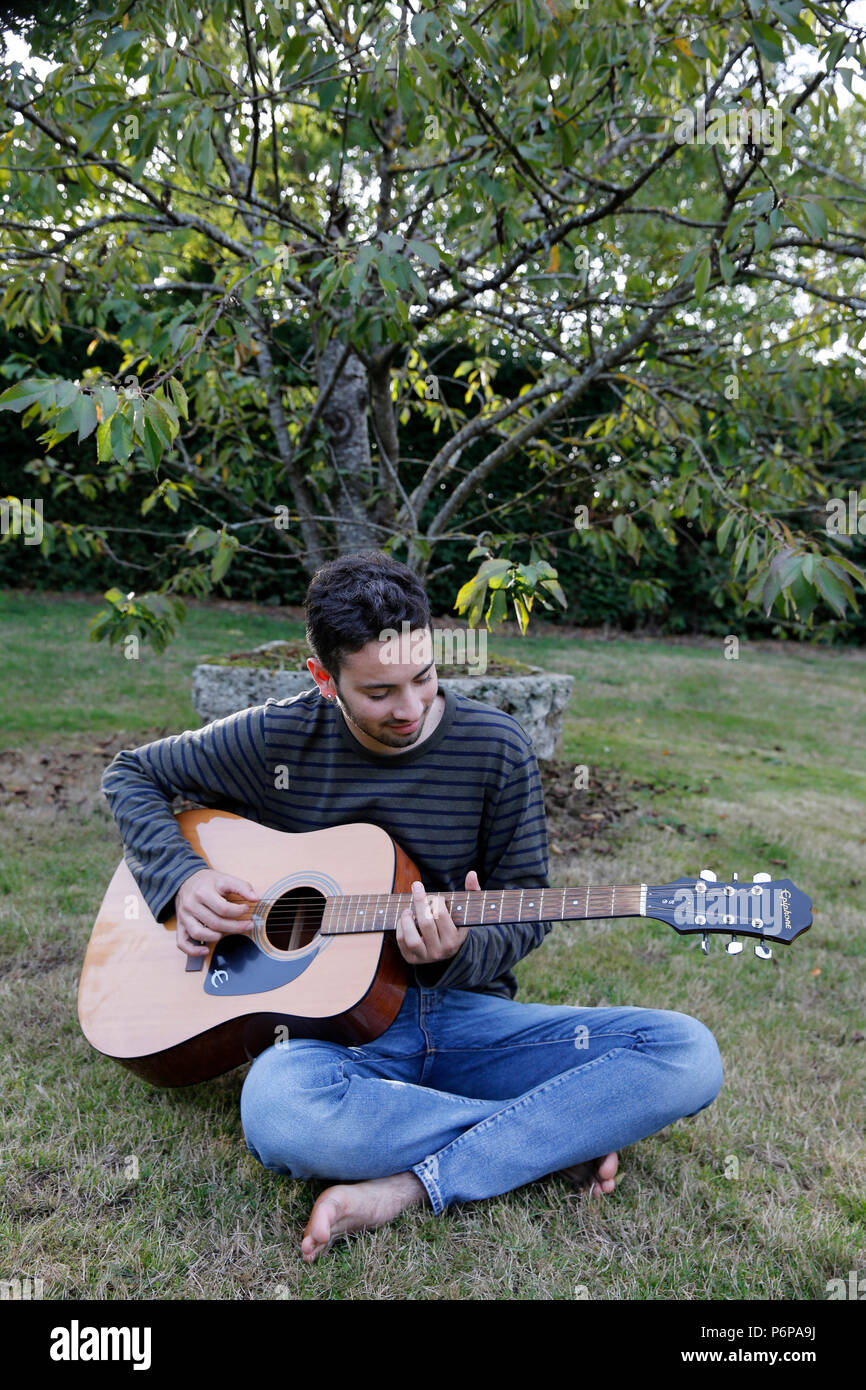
764 908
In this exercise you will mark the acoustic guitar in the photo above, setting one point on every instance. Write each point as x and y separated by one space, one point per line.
321 959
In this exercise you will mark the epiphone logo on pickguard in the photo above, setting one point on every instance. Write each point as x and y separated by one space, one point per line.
218 977
785 899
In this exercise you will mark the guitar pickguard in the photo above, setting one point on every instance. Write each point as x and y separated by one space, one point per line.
239 967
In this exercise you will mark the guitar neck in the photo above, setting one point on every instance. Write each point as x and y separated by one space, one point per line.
369 912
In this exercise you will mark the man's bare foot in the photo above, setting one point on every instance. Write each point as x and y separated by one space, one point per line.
597 1174
358 1206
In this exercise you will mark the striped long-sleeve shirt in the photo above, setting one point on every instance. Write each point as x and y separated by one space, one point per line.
467 797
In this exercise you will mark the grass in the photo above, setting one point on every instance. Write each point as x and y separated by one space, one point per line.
112 1189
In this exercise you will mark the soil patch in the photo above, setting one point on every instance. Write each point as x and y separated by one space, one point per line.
576 815
53 778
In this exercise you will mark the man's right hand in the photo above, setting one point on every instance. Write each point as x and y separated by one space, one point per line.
205 911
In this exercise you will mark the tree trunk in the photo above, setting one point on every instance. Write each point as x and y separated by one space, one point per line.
349 445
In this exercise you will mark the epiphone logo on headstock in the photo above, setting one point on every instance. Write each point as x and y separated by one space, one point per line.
785 899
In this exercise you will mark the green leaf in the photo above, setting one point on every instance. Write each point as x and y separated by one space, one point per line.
763 202
121 438
521 612
18 397
739 554
837 593
179 396
556 589
763 236
815 218
426 80
152 445
97 126
767 41
87 420
202 538
106 398
328 93
103 442
725 531
498 608
426 252
493 569
849 565
834 49
472 38
688 260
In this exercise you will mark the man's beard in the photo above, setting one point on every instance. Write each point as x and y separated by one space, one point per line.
391 738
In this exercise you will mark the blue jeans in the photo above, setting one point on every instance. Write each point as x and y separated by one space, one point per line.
475 1094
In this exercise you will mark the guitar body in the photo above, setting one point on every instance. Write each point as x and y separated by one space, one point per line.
174 1023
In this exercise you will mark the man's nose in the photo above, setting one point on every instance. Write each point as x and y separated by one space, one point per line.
409 707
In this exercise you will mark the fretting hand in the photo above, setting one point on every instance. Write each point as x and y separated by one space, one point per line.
426 932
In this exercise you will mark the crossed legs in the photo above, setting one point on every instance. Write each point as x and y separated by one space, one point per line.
467 1096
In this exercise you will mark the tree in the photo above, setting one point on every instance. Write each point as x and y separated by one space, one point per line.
270 211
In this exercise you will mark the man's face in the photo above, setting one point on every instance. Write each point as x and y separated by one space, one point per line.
386 701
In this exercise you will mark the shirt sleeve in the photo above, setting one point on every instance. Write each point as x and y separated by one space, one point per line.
222 765
514 854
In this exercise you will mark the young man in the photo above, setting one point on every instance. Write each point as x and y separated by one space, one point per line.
467 1094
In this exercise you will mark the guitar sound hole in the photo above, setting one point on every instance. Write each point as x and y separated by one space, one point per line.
294 919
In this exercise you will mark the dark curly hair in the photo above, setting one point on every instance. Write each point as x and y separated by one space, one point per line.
352 599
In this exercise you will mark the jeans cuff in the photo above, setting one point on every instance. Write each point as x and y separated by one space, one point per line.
427 1173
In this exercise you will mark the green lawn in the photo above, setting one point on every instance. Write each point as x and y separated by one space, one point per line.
735 765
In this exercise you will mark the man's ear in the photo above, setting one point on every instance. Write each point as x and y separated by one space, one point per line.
321 677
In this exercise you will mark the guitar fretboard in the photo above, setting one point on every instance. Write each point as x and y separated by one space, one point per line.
369 912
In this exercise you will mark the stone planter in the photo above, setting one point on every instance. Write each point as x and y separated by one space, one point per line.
536 700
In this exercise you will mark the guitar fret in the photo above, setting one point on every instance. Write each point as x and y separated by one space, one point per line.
353 913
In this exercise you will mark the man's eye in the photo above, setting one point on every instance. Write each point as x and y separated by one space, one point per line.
422 680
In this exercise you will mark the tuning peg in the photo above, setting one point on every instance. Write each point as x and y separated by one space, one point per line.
763 952
734 947
757 880
705 943
708 875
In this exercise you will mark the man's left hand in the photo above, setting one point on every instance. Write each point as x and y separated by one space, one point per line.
425 932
